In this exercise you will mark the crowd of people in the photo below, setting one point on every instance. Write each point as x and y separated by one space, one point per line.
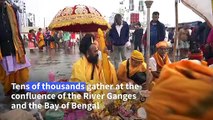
50 39
125 68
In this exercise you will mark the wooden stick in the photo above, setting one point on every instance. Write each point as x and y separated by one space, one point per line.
176 31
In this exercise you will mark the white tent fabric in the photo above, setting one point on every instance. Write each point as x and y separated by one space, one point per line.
204 8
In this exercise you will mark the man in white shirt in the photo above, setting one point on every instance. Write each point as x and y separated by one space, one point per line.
119 35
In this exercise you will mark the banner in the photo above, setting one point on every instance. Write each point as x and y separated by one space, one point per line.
204 8
134 18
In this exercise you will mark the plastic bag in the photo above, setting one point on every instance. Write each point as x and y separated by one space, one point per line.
128 45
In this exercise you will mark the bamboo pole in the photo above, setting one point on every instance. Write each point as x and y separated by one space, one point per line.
176 32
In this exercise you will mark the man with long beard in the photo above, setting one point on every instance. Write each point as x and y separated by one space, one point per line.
13 62
89 68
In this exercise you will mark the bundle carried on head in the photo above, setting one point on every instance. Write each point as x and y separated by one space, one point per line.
184 91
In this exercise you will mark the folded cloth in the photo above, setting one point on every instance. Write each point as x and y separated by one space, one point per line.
10 65
182 92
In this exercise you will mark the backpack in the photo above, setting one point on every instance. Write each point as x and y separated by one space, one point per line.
139 77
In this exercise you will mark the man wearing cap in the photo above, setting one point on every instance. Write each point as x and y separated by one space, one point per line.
89 68
159 59
130 67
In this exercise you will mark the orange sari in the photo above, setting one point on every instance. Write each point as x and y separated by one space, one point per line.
40 38
19 77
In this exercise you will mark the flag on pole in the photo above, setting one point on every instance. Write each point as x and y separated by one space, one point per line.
204 8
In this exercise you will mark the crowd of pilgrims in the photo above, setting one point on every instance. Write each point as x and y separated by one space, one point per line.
49 39
193 43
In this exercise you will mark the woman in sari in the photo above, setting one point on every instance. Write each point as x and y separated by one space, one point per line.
40 40
31 42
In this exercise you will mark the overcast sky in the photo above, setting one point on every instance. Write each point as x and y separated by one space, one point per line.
48 8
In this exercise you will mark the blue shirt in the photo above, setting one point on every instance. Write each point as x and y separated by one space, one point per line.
153 34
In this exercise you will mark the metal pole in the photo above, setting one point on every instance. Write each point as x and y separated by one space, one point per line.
176 31
44 22
148 5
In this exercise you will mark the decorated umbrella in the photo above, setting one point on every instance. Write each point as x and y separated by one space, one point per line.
79 18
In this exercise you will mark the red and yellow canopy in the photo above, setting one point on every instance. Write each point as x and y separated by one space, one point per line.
79 18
